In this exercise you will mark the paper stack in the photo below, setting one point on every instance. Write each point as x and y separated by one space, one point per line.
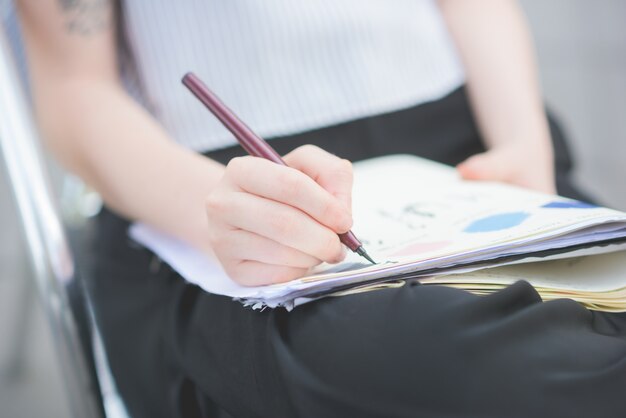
420 221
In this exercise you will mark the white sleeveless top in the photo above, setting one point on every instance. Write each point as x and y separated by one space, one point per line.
287 66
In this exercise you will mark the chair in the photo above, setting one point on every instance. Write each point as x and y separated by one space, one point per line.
65 302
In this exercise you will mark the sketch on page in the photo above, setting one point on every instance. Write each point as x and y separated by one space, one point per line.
449 216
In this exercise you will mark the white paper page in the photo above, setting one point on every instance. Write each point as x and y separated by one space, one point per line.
595 273
406 210
193 265
301 292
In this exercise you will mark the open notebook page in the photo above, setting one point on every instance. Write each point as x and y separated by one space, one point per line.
412 215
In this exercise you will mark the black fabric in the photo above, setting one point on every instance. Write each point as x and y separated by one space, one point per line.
415 351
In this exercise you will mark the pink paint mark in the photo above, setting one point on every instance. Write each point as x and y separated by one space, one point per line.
421 247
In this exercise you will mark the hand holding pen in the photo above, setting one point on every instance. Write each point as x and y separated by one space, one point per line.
272 220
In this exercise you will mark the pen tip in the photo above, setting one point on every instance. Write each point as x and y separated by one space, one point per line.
361 251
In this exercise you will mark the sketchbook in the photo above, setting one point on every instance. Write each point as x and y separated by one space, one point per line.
420 221
596 281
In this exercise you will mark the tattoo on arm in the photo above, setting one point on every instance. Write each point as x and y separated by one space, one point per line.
87 17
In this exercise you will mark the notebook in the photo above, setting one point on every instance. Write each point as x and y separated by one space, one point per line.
420 221
596 281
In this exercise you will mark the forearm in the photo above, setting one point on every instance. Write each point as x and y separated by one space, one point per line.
499 60
97 131
115 146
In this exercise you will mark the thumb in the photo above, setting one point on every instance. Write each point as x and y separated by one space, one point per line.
490 165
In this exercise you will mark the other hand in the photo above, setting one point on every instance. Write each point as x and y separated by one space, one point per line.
519 164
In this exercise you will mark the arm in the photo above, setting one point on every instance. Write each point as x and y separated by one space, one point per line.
97 131
496 49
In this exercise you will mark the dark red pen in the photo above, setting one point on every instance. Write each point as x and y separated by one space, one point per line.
251 142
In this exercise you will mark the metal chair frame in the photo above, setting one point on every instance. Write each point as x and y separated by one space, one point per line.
60 288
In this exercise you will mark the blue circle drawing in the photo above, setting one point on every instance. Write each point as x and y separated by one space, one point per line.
569 204
497 222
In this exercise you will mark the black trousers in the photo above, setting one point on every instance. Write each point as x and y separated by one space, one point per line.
416 351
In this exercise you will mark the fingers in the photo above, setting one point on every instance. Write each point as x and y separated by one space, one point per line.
282 223
511 165
253 247
329 171
486 166
290 186
270 223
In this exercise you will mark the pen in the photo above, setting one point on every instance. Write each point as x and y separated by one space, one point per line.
251 142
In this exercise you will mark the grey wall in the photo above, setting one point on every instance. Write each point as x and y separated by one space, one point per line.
582 52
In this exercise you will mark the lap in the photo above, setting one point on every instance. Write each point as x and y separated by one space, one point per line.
414 351
435 351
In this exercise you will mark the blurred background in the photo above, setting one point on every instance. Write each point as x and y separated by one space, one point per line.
581 46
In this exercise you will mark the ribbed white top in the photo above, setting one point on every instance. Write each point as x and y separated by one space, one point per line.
286 66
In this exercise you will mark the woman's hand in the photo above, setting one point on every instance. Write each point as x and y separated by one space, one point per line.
504 92
270 223
524 165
